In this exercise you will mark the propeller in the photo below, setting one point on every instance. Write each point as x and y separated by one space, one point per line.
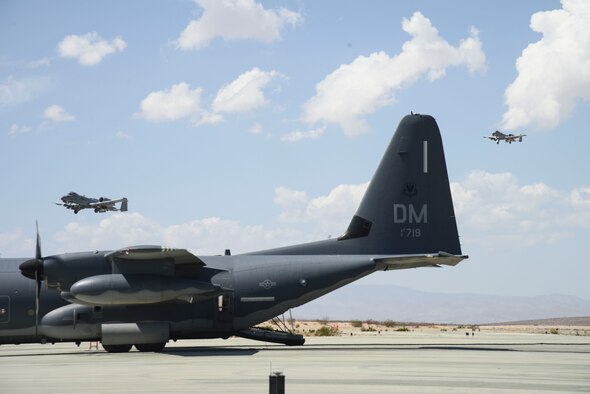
33 269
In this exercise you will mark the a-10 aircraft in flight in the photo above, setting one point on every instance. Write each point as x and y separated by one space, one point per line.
77 202
144 296
510 138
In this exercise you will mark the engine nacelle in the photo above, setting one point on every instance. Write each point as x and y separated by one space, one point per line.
71 322
118 289
83 323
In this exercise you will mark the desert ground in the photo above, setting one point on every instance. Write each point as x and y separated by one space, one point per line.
577 326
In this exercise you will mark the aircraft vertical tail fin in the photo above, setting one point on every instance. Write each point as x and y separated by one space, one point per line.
407 207
124 205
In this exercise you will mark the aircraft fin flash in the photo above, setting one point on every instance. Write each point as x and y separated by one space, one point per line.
143 296
77 202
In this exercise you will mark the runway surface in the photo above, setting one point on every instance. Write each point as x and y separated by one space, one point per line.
392 363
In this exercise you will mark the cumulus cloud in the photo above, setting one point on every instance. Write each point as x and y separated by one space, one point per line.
17 91
206 236
322 215
15 129
494 208
554 72
369 82
16 243
235 20
330 214
180 101
297 135
245 93
55 113
89 49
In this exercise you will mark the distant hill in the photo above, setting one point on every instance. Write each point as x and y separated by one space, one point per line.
390 302
559 321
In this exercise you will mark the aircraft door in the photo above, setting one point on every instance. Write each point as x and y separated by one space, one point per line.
224 311
4 309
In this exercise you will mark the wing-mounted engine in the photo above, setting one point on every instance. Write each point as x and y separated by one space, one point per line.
134 289
131 276
146 275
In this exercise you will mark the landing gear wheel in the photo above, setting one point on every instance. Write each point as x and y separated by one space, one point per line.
150 347
116 348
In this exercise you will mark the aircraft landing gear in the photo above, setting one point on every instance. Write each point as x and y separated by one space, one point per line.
150 347
116 348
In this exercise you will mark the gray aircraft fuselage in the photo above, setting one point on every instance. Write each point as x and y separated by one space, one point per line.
148 295
249 296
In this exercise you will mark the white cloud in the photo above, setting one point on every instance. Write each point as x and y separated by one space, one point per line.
244 93
16 91
297 135
293 202
235 20
16 129
43 62
329 214
55 113
493 209
208 118
175 103
89 49
206 236
553 72
579 199
369 82
16 243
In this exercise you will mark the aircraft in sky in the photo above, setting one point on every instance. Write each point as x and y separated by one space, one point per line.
144 296
510 138
77 202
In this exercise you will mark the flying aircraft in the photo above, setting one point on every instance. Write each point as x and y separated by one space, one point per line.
77 202
510 138
144 296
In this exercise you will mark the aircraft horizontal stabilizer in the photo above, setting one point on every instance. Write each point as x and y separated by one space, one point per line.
415 261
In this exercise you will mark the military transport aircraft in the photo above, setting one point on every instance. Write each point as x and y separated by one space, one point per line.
77 202
144 296
510 138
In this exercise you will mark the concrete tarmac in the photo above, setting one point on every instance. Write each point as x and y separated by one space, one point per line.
400 362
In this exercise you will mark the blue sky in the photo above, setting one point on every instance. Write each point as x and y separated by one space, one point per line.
249 125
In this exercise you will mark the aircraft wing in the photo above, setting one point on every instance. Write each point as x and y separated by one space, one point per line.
154 253
419 260
106 202
146 275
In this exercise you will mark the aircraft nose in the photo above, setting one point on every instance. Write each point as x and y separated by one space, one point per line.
29 267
